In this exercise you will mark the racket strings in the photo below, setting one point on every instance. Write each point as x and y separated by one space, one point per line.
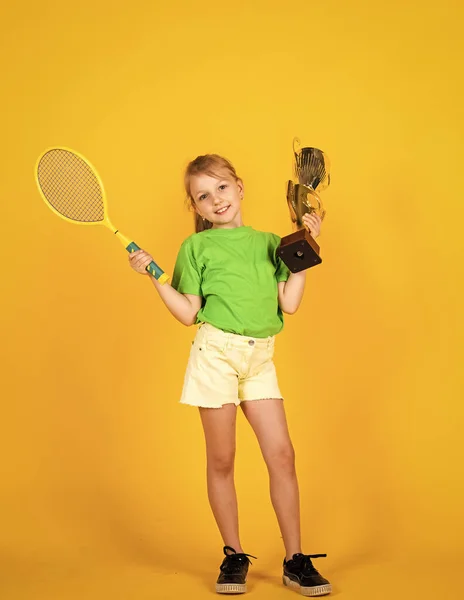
71 187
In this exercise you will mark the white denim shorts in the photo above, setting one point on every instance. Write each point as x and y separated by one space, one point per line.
226 368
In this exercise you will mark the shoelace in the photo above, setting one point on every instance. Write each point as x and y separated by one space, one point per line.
234 562
307 566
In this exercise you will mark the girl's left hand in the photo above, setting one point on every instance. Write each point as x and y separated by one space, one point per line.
312 222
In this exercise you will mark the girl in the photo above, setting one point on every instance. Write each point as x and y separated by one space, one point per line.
229 280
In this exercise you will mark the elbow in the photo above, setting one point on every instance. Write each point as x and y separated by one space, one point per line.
189 320
288 310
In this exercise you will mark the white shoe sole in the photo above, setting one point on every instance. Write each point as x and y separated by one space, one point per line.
231 588
320 590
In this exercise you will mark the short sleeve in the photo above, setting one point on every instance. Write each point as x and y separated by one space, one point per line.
282 272
186 278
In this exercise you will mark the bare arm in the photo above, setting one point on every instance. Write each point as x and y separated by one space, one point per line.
184 307
291 291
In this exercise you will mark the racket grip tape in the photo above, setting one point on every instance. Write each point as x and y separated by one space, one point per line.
152 268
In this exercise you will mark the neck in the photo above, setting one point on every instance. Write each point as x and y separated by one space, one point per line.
237 222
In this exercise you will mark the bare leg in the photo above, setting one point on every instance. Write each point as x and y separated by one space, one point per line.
219 427
267 418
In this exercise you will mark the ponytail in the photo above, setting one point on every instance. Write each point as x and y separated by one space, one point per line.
200 223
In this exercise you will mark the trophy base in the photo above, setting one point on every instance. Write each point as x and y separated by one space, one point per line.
299 251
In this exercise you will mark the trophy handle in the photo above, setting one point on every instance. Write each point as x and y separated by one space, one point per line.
291 201
314 207
296 147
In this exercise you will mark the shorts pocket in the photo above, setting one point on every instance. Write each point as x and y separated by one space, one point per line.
215 345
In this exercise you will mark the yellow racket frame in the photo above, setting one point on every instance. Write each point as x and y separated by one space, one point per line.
128 244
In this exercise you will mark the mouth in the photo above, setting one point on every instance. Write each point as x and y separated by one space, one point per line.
222 210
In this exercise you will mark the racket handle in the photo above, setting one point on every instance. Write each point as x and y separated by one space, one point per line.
152 268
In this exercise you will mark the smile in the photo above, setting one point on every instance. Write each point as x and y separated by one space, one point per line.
221 211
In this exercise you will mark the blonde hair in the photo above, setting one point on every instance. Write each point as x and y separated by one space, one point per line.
208 164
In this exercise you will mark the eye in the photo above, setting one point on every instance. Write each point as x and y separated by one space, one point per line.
202 197
223 186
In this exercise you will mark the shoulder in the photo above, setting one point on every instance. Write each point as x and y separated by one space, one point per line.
272 238
188 240
196 238
191 241
194 246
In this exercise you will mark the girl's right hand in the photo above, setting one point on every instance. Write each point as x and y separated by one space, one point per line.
139 261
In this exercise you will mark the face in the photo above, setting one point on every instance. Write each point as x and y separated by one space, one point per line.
218 199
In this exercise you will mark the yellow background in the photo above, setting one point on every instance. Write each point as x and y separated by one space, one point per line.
102 471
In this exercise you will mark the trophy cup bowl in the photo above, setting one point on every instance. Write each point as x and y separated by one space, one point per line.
299 250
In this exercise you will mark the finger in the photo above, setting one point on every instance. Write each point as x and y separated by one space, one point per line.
313 218
313 223
141 256
143 262
137 265
142 265
141 269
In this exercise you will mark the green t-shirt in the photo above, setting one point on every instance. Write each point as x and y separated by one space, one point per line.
236 271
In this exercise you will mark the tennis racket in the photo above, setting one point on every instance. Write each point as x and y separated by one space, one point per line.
73 190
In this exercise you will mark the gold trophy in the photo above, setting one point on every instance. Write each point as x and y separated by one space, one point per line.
299 250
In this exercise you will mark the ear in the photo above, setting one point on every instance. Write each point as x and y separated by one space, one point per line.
241 189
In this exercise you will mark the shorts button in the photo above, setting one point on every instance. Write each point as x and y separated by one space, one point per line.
251 342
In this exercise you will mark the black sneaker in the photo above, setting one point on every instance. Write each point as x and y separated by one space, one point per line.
300 574
234 569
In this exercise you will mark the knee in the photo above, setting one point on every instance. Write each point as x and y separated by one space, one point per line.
282 460
221 463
